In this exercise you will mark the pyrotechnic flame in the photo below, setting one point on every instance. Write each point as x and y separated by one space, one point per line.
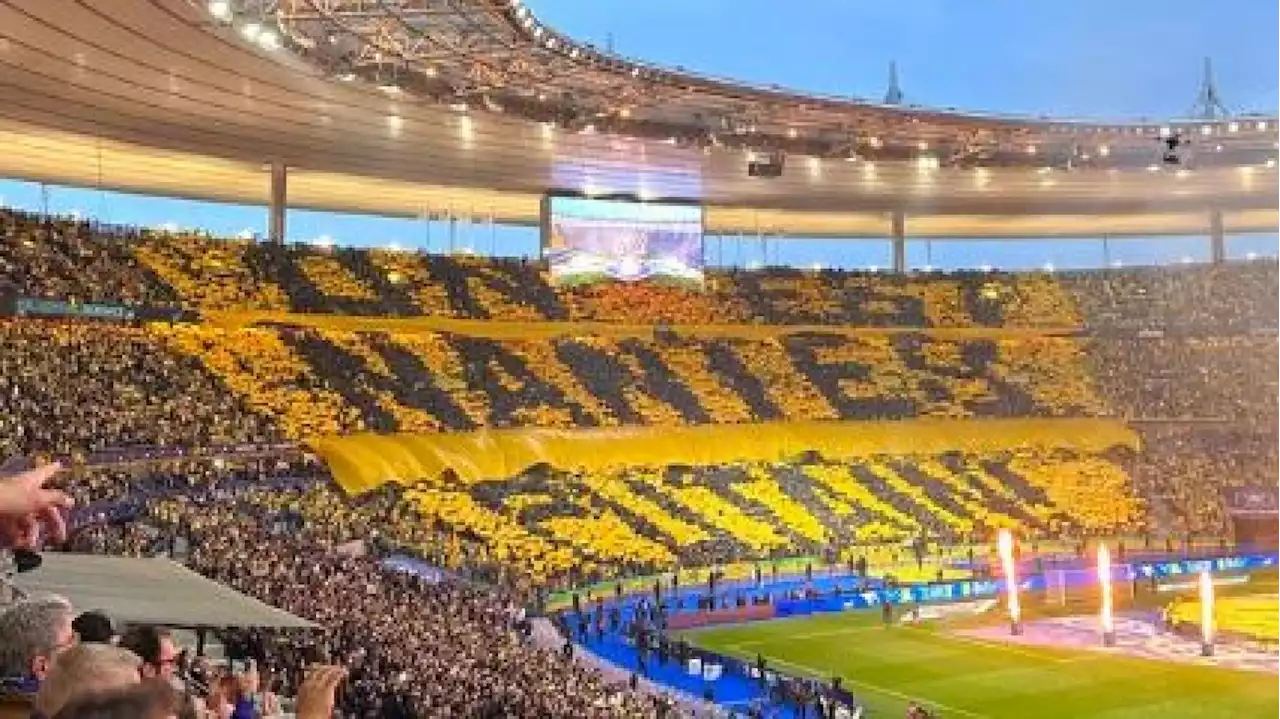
1004 545
1206 607
1104 582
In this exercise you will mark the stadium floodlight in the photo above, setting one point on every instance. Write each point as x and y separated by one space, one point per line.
1004 546
250 31
1206 614
1104 583
220 10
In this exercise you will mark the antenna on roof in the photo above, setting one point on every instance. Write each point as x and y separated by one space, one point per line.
1208 105
893 95
608 43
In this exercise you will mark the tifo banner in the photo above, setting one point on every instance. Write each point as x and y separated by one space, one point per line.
364 462
505 329
589 240
1253 500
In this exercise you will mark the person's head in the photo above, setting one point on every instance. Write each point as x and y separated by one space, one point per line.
32 632
150 700
86 669
94 627
155 646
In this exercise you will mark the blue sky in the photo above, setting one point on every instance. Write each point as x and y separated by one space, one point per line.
1075 58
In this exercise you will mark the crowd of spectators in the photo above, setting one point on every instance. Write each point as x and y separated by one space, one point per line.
1189 377
411 647
1219 299
1188 353
75 387
72 259
1188 471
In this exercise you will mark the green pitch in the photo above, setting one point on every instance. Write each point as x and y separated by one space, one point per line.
964 678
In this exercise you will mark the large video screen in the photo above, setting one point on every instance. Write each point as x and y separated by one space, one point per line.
589 240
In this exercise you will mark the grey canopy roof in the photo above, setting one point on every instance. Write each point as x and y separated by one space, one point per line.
149 591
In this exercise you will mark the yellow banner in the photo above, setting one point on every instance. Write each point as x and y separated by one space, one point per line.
367 461
507 329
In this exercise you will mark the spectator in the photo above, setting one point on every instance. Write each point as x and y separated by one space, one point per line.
147 700
155 647
85 670
94 628
32 633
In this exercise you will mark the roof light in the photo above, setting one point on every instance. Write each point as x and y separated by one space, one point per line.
220 9
269 39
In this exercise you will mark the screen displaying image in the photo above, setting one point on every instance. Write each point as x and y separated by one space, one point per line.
597 240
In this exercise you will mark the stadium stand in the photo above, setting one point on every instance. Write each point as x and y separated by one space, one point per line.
215 274
249 530
196 437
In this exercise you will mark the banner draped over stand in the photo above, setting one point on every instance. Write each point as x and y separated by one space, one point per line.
364 462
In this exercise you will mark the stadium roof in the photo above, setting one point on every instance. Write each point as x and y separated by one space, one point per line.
151 591
365 102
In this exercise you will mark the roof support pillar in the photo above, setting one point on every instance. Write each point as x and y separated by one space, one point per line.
279 204
898 236
1217 239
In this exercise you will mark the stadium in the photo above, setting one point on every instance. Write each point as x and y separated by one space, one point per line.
472 368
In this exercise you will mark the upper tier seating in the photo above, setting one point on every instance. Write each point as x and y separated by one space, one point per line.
74 260
64 258
1217 299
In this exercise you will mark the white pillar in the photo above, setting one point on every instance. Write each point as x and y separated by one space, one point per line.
898 235
279 206
1217 240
